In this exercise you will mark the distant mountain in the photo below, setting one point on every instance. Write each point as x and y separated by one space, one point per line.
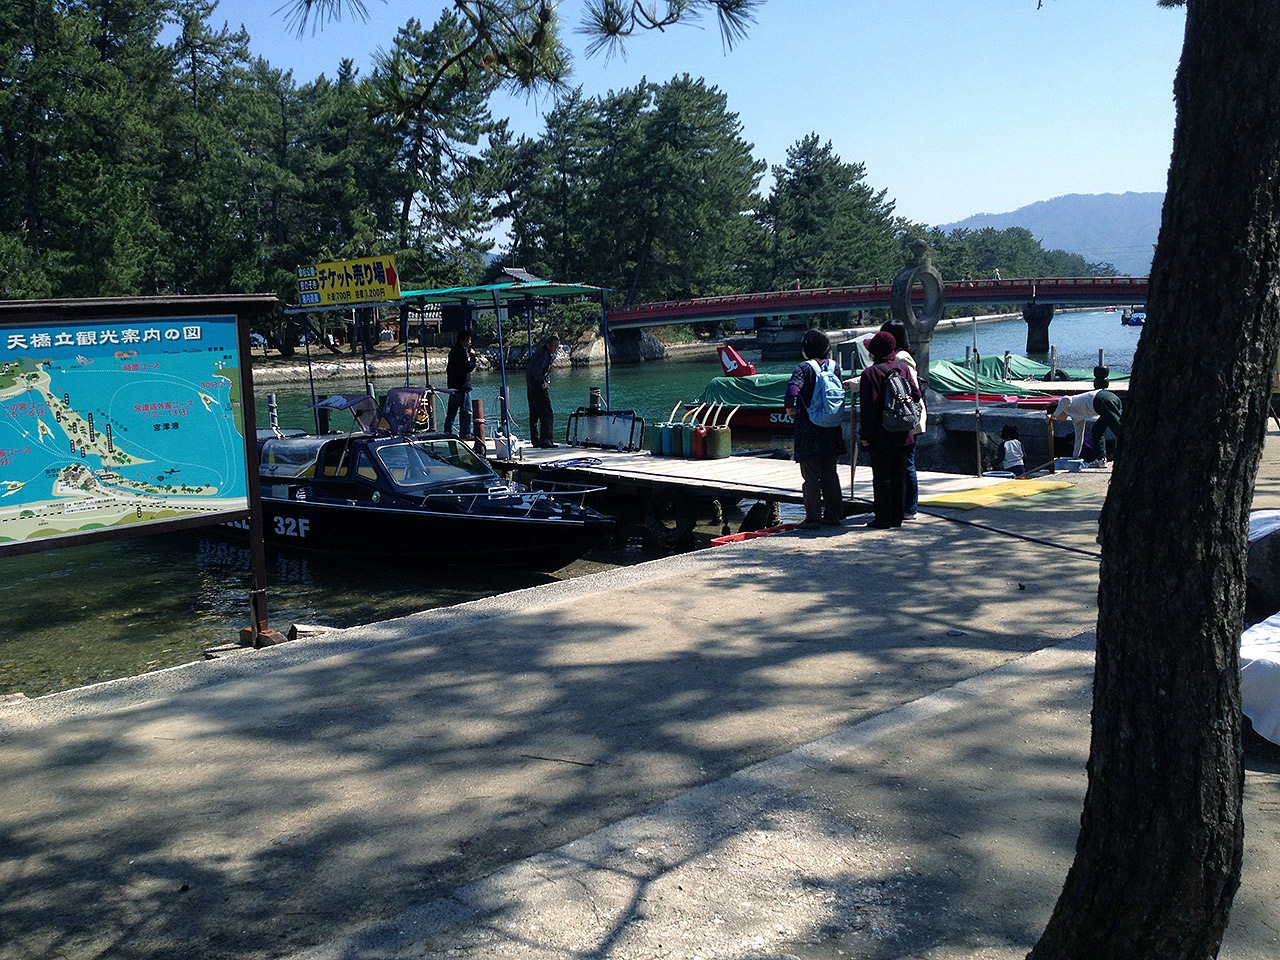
1118 228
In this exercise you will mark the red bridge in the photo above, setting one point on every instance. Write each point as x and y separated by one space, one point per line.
1078 291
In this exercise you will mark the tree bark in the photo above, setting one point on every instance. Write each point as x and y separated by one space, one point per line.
1159 854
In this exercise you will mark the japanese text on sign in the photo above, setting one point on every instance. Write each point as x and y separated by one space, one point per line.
353 282
93 337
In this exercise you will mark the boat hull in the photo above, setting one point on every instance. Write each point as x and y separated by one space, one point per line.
763 418
429 537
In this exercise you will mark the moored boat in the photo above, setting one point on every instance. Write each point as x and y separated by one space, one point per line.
757 396
1133 318
426 497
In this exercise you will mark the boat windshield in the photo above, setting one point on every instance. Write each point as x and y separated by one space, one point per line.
421 463
290 456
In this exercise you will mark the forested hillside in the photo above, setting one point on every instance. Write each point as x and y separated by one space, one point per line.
1120 228
140 161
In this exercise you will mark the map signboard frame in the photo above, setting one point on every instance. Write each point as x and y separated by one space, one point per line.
124 417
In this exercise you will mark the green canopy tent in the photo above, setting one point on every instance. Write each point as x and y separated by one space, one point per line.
526 292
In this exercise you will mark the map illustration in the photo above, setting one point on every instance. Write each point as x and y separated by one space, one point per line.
116 423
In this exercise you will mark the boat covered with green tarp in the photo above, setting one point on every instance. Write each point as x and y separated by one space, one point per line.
760 395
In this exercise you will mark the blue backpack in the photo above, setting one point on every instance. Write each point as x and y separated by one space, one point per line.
827 407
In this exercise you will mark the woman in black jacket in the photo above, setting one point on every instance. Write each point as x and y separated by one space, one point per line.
887 449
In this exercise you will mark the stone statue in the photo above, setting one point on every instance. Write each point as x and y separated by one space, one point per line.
919 327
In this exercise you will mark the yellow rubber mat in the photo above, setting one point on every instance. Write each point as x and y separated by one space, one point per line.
996 493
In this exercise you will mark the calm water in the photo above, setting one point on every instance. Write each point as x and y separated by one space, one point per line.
86 614
652 390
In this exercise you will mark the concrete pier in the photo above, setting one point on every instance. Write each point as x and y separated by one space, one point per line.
813 745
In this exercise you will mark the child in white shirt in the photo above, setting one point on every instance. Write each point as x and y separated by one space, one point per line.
1011 451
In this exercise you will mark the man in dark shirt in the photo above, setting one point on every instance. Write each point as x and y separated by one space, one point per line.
462 360
537 380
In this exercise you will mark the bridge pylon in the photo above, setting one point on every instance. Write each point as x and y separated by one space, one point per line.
1037 316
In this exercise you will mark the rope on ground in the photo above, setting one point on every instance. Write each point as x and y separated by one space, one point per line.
1006 533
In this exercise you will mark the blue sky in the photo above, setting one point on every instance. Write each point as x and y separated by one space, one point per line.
956 107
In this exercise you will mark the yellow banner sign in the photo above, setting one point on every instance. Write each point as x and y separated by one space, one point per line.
351 282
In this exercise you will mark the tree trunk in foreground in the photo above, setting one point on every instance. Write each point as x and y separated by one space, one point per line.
1161 841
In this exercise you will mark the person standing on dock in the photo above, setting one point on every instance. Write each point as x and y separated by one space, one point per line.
912 496
457 373
537 381
887 450
816 448
1079 409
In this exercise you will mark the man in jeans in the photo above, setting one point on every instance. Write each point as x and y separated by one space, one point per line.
537 381
462 360
1081 408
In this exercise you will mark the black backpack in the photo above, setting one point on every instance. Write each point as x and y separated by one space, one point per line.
902 411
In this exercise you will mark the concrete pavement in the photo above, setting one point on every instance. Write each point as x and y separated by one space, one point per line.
850 743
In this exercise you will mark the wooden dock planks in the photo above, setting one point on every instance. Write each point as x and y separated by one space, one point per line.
741 477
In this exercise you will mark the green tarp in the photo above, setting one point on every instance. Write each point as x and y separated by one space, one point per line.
948 377
1027 379
757 390
1023 368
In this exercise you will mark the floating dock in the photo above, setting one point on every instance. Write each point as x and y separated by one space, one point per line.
672 489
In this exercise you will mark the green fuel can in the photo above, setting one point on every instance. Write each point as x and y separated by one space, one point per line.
719 443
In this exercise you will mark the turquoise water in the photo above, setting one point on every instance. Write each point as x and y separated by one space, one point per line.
1078 337
654 389
84 614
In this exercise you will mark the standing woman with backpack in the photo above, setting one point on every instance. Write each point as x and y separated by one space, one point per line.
912 495
886 442
811 402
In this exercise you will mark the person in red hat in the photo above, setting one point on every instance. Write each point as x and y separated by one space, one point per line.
886 449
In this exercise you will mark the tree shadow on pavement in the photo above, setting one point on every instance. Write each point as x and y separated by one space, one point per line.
291 805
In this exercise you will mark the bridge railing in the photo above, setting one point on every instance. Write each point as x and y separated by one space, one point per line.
1013 287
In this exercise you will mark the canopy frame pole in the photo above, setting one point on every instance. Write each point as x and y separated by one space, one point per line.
404 325
604 329
362 330
426 368
311 374
977 409
502 365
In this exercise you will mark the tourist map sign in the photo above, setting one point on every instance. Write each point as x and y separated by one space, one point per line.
348 282
109 424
